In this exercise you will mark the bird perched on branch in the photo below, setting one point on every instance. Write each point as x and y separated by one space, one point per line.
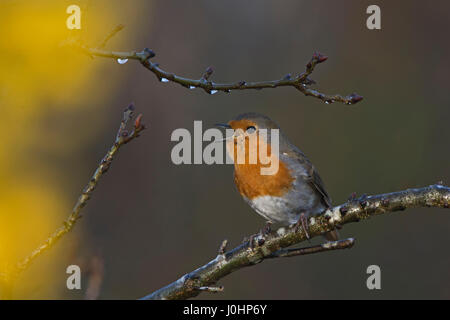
273 176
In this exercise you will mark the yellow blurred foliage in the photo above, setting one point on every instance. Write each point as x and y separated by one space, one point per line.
35 65
29 213
36 70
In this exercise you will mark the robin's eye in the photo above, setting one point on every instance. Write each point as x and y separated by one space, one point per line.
250 129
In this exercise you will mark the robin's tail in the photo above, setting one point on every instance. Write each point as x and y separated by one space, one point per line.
332 235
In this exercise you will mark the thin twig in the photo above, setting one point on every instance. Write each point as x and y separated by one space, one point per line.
96 274
352 211
122 137
301 82
328 246
223 246
111 34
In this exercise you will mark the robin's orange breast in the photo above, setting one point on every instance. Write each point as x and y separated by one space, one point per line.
251 183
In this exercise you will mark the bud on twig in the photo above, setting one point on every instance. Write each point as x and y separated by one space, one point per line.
208 73
319 57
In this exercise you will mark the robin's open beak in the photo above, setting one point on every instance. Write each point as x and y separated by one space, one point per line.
223 125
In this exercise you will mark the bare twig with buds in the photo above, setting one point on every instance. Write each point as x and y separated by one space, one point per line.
301 82
123 136
275 244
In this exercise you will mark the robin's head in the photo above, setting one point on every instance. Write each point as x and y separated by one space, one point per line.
251 122
252 132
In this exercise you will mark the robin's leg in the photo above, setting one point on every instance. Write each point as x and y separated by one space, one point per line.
303 221
250 240
267 229
262 233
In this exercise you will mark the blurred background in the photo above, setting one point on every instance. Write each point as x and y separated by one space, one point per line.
150 221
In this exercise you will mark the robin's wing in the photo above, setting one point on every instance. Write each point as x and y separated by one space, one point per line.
316 182
311 176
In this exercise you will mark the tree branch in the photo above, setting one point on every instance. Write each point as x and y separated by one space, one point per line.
327 246
122 137
273 245
301 82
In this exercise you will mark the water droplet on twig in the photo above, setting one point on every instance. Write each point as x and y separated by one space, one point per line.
164 80
122 61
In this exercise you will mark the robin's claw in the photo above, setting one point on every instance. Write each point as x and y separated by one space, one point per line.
352 197
251 241
259 238
267 229
303 221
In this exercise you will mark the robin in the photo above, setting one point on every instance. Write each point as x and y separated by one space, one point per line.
292 193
